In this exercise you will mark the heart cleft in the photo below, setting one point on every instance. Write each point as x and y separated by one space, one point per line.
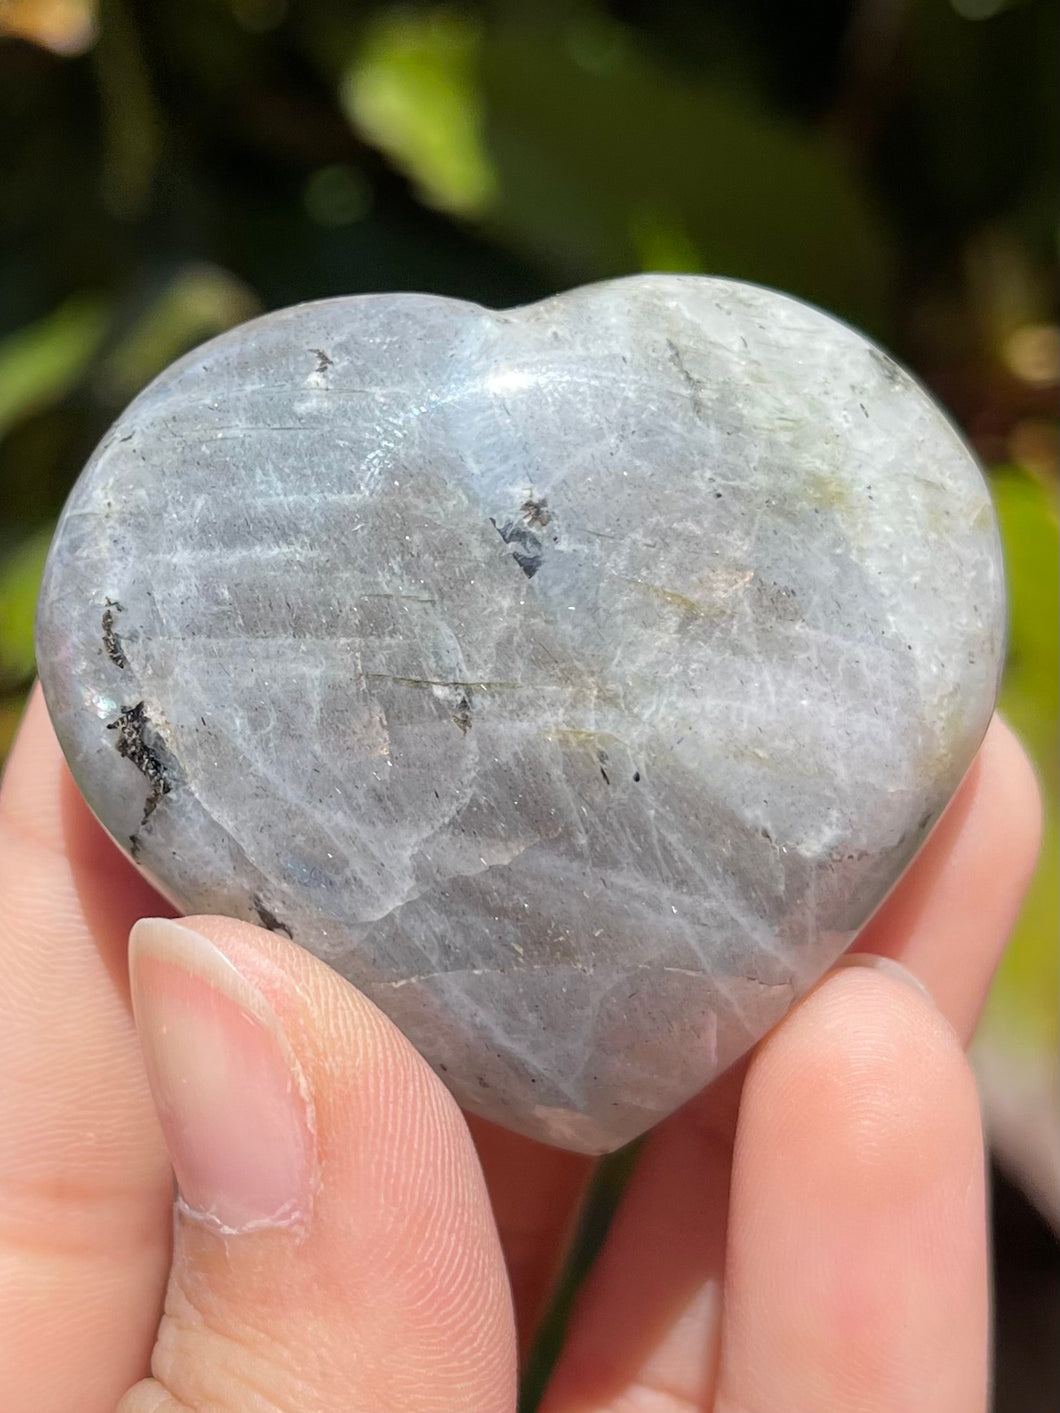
577 680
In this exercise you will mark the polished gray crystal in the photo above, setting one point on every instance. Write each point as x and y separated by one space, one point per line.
575 679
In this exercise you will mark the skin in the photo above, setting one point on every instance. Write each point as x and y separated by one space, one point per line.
807 1235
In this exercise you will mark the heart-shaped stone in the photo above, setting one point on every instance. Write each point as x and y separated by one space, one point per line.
576 680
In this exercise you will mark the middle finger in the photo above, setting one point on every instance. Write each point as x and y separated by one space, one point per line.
647 1327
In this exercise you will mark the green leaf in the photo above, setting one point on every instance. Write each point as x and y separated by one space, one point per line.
412 90
131 119
41 363
11 709
1023 1009
611 167
196 303
20 575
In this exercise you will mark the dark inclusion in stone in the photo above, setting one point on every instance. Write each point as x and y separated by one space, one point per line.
575 679
528 552
268 919
132 742
111 641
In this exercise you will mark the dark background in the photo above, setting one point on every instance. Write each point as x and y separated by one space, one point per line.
172 168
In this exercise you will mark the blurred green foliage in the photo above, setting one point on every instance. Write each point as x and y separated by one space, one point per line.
1024 1002
414 89
170 169
39 364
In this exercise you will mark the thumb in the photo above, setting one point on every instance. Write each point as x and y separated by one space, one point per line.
334 1244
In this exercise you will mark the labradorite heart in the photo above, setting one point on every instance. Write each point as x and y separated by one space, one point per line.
575 679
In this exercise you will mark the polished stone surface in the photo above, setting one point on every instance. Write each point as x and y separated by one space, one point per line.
575 679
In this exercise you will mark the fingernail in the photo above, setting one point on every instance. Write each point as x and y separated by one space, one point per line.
889 967
229 1092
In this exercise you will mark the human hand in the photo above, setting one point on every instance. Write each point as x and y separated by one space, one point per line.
807 1236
